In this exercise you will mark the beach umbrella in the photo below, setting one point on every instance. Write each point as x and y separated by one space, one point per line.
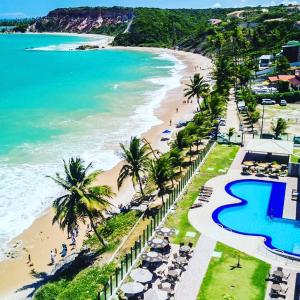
248 163
155 294
164 231
152 256
167 131
263 165
141 275
132 288
157 243
276 166
157 203
166 134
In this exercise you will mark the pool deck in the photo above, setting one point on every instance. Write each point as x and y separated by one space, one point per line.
201 218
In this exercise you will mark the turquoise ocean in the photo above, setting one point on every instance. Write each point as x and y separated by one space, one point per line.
56 103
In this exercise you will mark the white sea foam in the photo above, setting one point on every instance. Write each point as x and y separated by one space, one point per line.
26 190
100 41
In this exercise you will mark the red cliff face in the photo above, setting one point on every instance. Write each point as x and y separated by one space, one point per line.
81 20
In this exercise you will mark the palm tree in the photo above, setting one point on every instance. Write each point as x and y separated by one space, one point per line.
176 158
160 174
230 133
197 87
82 199
136 157
280 127
189 140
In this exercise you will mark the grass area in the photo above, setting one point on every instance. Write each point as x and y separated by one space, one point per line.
246 283
84 286
219 159
296 156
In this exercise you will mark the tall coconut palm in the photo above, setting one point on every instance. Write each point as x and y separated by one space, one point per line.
176 158
136 157
160 174
197 87
82 199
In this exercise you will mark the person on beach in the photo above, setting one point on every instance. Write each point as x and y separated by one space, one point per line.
73 240
64 250
52 257
77 230
170 122
177 109
29 259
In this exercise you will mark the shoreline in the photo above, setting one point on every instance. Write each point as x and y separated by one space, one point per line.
41 236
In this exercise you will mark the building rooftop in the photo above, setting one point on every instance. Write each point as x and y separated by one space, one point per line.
281 78
266 56
292 44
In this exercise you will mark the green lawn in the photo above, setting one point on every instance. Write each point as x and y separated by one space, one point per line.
245 283
296 156
219 159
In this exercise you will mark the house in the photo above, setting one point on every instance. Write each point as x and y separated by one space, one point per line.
265 61
215 21
292 51
293 80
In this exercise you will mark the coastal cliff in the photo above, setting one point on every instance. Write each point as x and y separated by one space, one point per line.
84 20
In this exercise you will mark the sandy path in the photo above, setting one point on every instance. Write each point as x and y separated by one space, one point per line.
41 237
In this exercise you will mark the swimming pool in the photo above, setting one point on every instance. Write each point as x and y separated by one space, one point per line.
259 213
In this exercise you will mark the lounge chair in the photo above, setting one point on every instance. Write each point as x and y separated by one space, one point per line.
196 205
286 277
203 199
206 188
205 194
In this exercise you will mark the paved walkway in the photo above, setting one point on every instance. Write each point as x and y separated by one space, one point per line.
190 283
232 119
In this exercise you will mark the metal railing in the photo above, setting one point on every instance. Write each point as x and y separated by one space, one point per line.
129 260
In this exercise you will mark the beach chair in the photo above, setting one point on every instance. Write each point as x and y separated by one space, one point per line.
196 205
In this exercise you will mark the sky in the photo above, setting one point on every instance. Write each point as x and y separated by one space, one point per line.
34 8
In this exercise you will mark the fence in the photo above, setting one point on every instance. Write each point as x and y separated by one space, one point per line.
237 138
128 261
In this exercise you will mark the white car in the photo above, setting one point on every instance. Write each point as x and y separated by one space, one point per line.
268 102
282 103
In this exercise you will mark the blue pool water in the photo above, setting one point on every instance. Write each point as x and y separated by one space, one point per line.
251 216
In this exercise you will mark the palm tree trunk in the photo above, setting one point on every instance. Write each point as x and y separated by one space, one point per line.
141 187
101 240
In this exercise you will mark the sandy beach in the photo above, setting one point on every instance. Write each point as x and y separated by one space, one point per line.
17 274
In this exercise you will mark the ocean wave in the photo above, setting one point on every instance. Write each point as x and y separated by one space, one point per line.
101 41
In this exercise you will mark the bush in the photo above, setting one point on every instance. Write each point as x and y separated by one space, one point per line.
114 229
289 97
255 116
84 286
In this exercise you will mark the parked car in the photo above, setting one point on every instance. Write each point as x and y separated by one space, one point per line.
268 102
282 103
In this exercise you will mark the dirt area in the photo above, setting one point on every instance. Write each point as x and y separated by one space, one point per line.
291 113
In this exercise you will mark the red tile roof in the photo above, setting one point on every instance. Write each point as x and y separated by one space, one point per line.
281 78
